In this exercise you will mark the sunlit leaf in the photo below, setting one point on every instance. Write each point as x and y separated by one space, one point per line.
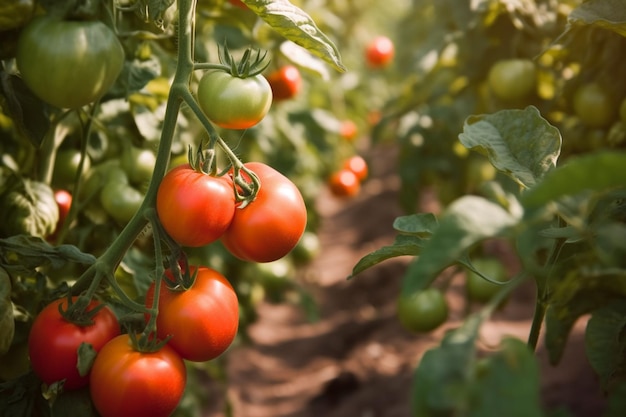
297 26
404 245
608 14
419 224
598 171
465 222
520 143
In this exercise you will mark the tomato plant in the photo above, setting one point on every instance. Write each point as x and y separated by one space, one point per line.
423 311
68 63
234 102
278 210
379 52
512 79
195 208
285 82
344 183
127 382
54 341
201 320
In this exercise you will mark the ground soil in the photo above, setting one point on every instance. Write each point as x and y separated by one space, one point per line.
357 360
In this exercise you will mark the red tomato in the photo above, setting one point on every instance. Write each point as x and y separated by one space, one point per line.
64 202
195 208
379 52
357 165
285 82
348 130
344 183
269 227
53 343
125 382
202 320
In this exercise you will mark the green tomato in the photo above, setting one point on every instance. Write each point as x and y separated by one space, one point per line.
68 63
232 102
423 311
138 164
119 199
512 79
66 167
479 289
593 105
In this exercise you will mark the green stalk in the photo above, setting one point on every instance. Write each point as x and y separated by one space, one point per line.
114 254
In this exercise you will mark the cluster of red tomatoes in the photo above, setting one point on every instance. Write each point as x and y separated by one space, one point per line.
196 209
199 324
346 181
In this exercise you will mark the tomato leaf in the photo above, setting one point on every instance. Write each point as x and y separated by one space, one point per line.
297 26
607 14
598 171
28 112
574 293
402 246
507 383
442 379
24 253
520 143
303 59
465 222
605 343
420 224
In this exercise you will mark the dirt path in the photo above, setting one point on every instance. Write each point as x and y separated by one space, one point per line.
357 361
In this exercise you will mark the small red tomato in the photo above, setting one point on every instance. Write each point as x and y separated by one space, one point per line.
357 165
348 130
53 342
195 208
270 226
126 382
344 183
285 82
379 52
202 320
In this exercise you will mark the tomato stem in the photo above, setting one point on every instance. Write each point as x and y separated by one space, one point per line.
114 254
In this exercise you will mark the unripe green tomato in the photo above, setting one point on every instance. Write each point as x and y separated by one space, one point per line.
119 199
423 311
512 79
138 164
66 167
479 289
593 105
68 63
232 102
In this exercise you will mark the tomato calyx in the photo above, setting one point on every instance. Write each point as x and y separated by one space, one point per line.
249 65
77 313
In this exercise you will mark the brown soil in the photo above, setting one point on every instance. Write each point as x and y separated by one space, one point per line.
357 361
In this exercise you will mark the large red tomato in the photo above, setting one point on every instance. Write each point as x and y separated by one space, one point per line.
53 342
195 208
269 227
202 320
126 382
